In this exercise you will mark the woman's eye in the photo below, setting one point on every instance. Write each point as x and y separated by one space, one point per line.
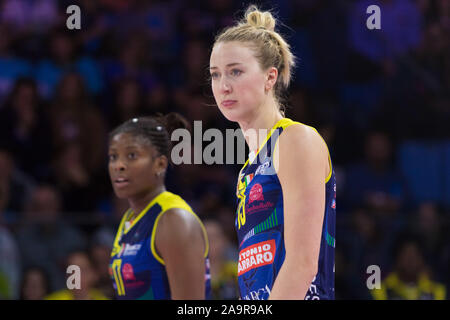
214 75
236 72
132 155
112 157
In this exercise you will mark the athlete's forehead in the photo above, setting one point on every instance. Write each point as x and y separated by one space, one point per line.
126 141
226 54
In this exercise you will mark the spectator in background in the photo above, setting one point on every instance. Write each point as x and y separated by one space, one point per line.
374 55
29 15
400 32
410 278
428 226
123 17
193 104
131 62
349 286
365 244
203 19
195 22
188 81
375 182
74 118
128 102
223 263
35 284
15 186
88 280
432 51
326 21
226 217
94 26
24 129
195 60
158 100
100 253
63 58
159 23
9 255
44 238
72 179
12 67
444 260
222 12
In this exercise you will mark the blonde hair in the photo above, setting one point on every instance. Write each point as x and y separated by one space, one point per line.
271 50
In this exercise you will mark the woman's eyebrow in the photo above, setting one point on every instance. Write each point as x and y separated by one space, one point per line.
228 65
132 146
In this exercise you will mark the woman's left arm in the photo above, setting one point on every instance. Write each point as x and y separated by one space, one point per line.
303 166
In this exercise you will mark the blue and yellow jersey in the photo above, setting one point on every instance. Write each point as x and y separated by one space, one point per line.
137 271
260 226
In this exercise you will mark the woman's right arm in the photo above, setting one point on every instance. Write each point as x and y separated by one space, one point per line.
179 241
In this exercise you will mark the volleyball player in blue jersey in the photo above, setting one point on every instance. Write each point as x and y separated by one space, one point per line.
161 247
285 217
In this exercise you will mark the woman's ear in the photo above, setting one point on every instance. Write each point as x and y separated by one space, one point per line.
160 165
271 78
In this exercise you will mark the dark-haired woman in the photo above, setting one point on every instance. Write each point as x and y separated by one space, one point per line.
161 246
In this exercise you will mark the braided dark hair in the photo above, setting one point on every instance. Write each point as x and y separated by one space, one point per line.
156 130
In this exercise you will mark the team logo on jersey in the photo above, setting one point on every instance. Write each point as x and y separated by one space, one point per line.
255 256
263 206
333 204
256 193
131 250
128 272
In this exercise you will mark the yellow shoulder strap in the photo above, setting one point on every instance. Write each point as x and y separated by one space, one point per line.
168 201
116 246
286 122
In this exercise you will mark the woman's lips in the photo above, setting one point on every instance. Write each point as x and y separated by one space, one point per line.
121 183
228 103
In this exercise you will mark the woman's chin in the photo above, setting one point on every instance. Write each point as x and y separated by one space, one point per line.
232 115
121 194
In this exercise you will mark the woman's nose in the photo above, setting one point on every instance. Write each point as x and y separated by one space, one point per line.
225 86
119 166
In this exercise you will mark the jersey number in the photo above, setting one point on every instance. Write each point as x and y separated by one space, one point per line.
116 266
241 212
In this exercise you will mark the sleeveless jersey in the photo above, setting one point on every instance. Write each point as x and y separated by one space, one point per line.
136 269
260 226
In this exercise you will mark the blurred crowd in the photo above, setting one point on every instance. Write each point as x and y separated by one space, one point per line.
380 98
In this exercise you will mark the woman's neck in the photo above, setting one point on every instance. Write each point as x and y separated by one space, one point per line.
138 203
255 130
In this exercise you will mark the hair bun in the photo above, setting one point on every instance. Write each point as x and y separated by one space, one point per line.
173 121
258 19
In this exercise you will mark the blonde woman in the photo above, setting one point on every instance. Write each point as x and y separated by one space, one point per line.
285 219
